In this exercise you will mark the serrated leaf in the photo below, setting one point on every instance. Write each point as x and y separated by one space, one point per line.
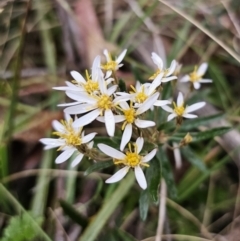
167 173
155 173
98 166
144 204
203 135
21 228
193 159
72 213
194 123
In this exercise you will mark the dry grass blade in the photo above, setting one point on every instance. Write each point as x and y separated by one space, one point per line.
203 29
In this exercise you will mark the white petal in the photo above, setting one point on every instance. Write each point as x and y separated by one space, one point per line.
147 104
168 78
140 177
121 56
58 126
109 122
88 137
112 89
144 123
81 97
68 104
190 116
167 108
90 145
139 143
86 119
102 85
109 151
78 77
157 60
105 52
185 78
171 116
79 109
162 102
109 72
119 175
119 99
194 107
202 69
156 82
52 142
77 160
205 81
172 67
196 85
149 156
180 99
119 118
127 134
67 117
64 155
96 68
124 105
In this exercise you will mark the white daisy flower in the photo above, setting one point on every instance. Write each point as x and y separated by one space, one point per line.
180 111
162 75
131 117
70 140
196 76
101 104
130 159
112 65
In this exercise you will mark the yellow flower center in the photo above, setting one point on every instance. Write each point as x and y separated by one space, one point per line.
179 110
129 115
132 158
112 65
140 96
165 72
104 102
194 77
90 85
71 137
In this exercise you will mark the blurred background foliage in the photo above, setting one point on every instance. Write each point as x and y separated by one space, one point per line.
40 42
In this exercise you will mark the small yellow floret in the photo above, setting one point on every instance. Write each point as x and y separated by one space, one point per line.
71 137
112 65
194 77
165 72
104 102
179 110
90 86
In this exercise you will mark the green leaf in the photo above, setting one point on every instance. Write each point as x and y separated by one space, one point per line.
98 166
155 173
193 159
167 173
122 85
195 123
203 135
21 228
144 204
71 212
113 142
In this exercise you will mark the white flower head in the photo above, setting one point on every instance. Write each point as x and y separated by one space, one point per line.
112 65
130 117
130 159
180 111
89 85
162 75
196 76
101 104
70 140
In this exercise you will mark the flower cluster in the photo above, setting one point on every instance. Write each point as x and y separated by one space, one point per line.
97 96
